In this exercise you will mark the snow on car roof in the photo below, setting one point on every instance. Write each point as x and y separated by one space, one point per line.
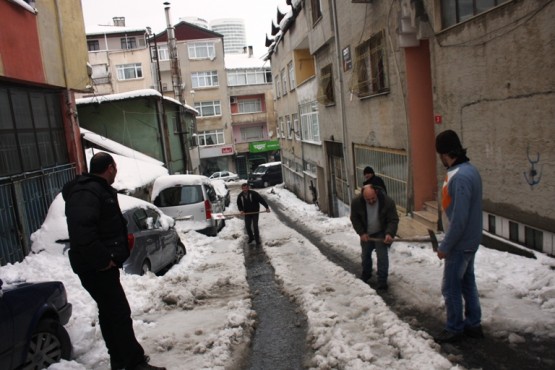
169 181
269 164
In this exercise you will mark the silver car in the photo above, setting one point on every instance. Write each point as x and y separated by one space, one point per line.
153 244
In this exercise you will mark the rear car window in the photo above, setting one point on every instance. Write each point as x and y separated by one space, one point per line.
179 196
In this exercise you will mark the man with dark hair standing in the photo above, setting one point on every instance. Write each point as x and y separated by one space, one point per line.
462 204
374 215
98 248
248 203
370 178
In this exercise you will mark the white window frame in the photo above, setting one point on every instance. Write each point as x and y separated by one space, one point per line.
135 68
252 133
244 104
295 119
217 137
246 77
278 86
284 81
310 125
292 82
288 127
204 105
201 50
205 79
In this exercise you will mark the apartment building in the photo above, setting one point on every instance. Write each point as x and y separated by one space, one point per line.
390 75
43 62
251 101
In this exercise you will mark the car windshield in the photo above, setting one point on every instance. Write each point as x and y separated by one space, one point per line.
260 170
179 195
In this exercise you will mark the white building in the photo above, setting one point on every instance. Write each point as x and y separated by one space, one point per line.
233 30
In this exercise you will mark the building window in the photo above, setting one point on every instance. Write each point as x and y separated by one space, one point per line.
208 108
248 77
310 125
491 224
316 10
277 82
131 71
100 74
295 118
456 11
93 45
284 81
370 73
204 79
202 50
31 130
513 231
325 93
292 83
533 238
252 133
250 106
288 127
280 128
214 137
128 43
163 52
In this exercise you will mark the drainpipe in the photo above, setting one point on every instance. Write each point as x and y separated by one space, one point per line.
341 101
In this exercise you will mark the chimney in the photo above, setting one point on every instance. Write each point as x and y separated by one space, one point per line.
250 51
119 21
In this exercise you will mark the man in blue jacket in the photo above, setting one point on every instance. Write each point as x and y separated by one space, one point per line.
462 205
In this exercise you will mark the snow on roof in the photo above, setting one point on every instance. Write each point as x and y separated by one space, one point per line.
269 164
117 148
243 61
130 95
164 182
101 29
132 173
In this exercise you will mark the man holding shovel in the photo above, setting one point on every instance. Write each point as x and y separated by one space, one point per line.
248 203
375 220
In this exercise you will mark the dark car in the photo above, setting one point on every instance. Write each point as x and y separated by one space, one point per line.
153 241
32 316
266 174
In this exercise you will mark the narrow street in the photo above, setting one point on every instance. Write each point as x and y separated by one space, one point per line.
487 353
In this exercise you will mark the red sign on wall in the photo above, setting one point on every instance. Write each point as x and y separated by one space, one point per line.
227 150
437 119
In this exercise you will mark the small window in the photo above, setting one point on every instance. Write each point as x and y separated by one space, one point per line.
131 71
533 238
316 10
456 11
326 95
93 45
491 224
370 75
128 43
513 231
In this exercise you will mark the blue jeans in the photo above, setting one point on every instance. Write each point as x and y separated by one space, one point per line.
383 259
458 283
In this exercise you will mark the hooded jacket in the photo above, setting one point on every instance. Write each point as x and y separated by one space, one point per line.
96 226
387 214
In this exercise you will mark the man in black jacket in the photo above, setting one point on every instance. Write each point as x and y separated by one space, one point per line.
248 203
98 248
374 216
370 178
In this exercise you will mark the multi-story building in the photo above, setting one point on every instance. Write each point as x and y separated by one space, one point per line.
233 30
386 77
43 62
253 124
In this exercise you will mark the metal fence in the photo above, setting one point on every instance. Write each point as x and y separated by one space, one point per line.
24 203
389 164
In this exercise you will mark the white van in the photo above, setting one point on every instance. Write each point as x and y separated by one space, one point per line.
191 198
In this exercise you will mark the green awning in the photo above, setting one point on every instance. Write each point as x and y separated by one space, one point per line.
264 146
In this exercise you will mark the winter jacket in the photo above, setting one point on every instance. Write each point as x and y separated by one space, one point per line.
250 201
387 213
376 182
96 226
462 203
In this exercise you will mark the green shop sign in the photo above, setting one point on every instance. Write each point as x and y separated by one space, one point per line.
264 146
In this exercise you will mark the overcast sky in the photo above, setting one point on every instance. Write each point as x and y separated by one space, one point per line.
258 14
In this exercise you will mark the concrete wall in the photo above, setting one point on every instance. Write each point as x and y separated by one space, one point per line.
494 84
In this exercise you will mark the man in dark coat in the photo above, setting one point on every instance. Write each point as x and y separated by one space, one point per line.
248 203
98 248
374 216
370 178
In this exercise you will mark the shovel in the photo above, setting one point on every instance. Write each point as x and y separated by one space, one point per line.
432 239
226 216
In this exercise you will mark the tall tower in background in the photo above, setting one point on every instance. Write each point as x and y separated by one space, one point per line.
233 30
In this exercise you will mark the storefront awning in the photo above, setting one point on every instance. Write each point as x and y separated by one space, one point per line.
264 146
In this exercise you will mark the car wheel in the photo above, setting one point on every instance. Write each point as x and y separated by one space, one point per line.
49 343
146 267
180 252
